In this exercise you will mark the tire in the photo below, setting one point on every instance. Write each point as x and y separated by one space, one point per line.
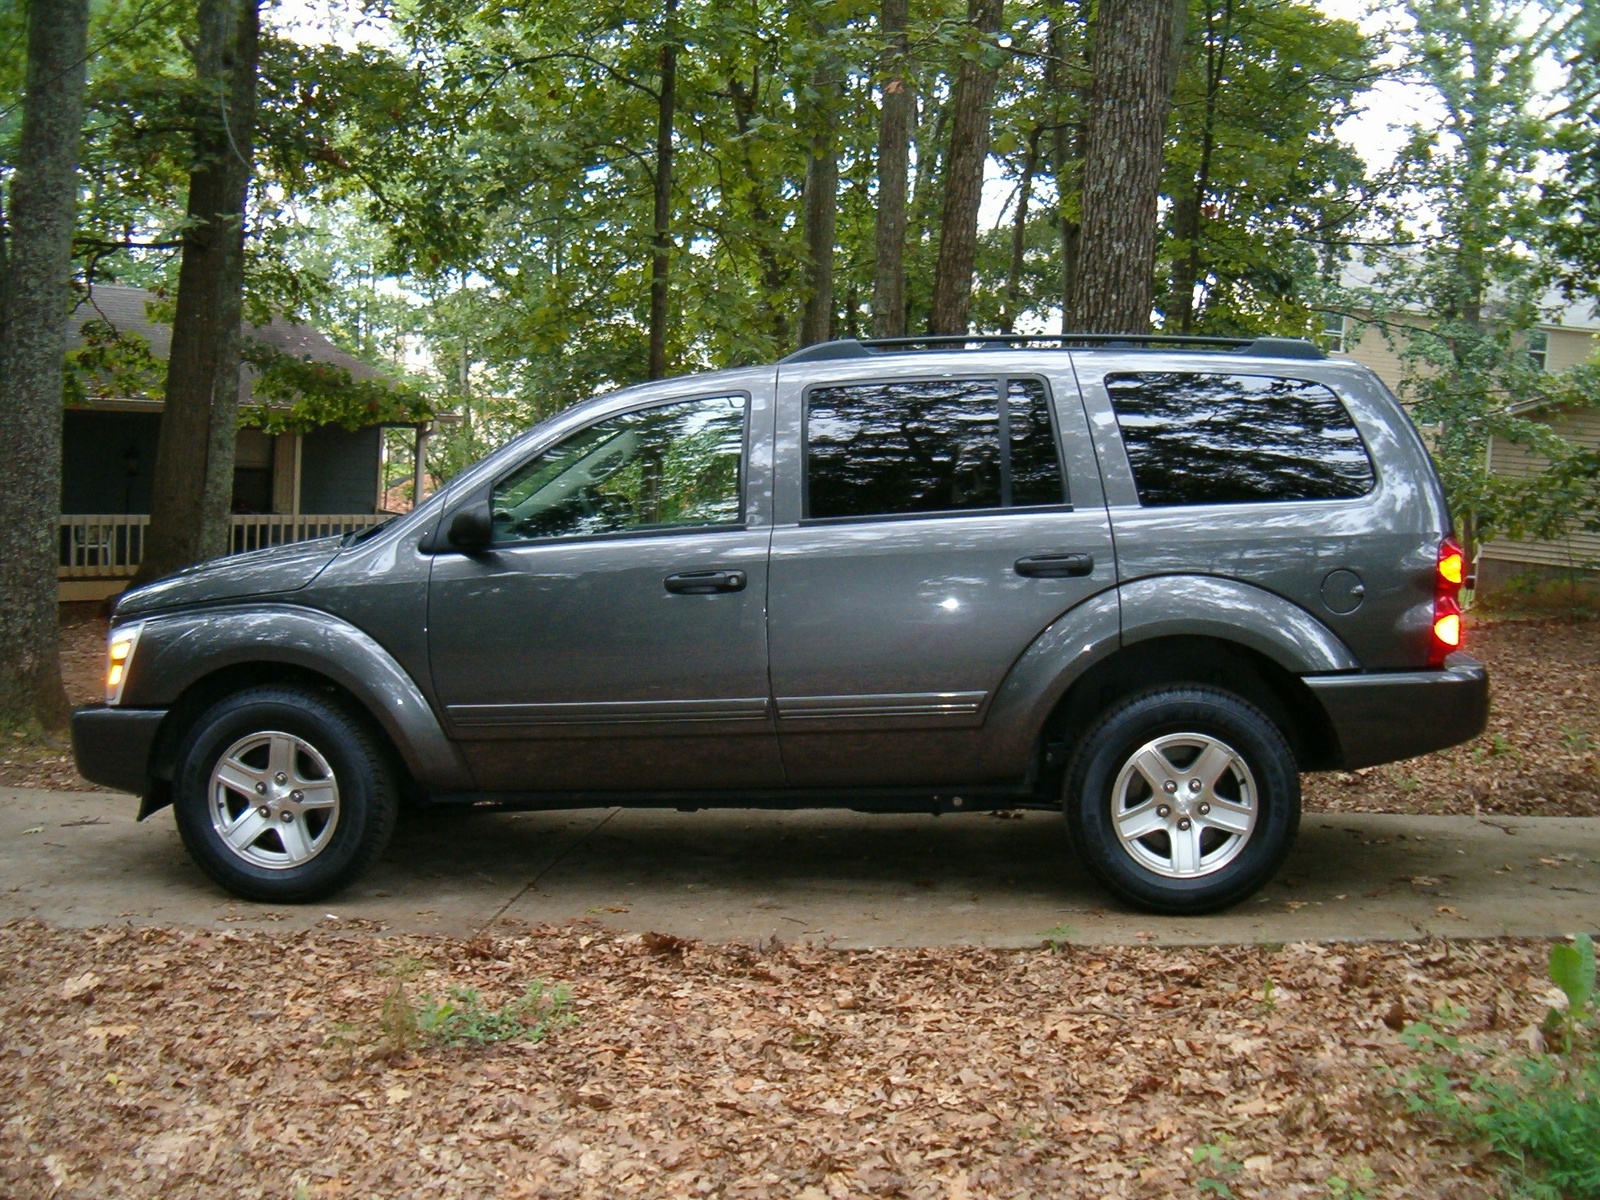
283 795
1207 793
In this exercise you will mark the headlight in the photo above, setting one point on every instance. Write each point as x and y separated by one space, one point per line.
119 658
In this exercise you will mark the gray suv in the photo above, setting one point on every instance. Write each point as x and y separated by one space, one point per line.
1144 581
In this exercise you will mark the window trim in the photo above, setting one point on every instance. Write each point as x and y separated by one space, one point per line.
741 524
1376 480
1538 350
1002 382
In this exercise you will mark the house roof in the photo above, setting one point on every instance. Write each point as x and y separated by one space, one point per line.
125 309
1557 311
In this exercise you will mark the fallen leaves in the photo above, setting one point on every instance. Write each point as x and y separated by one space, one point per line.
732 1071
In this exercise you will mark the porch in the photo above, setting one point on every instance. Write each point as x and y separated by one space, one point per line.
100 553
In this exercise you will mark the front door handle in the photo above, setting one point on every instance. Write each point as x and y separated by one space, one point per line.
705 583
1055 566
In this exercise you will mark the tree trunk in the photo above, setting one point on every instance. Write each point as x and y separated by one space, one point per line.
1019 234
821 204
775 276
1188 218
894 157
661 245
963 190
1133 67
1067 144
33 330
193 484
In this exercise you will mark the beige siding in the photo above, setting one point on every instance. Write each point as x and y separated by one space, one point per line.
1568 348
1371 349
1578 549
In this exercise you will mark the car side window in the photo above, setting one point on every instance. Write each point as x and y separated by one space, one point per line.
913 446
674 465
1195 438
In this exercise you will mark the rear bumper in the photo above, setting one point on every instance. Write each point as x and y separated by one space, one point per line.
112 745
1383 716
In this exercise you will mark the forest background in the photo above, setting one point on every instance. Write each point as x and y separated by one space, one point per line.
512 207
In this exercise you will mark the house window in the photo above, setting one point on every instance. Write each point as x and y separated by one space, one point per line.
1538 349
1336 333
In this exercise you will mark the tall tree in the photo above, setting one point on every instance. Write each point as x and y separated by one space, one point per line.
661 240
971 104
34 301
894 158
193 481
1133 64
821 195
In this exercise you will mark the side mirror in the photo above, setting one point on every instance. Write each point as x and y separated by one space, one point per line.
471 528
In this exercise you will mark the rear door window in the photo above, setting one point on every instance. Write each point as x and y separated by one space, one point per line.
909 447
1200 438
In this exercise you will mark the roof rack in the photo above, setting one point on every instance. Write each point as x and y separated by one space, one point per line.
1265 347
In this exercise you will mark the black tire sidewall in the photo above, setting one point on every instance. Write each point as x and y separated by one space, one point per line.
367 795
1087 798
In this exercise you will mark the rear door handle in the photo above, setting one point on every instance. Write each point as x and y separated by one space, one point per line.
705 583
1055 566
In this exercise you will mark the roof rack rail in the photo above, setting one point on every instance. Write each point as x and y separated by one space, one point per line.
1264 347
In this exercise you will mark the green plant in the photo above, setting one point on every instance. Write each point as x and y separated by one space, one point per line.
1214 1157
1576 741
1269 1001
1340 1188
461 1018
1543 1116
1058 937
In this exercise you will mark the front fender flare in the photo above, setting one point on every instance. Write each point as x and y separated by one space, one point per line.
177 651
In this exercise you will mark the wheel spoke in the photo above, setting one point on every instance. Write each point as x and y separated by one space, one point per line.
318 793
1209 767
242 834
281 756
238 777
1157 771
1228 816
296 843
1185 849
1136 822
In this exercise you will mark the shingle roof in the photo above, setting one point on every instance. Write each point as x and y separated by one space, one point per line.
124 308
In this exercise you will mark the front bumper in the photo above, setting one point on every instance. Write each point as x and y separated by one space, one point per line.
1383 716
112 746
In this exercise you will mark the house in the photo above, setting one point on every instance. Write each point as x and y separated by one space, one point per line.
285 488
1570 338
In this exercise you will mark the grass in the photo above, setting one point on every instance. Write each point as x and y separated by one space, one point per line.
460 1018
1540 1118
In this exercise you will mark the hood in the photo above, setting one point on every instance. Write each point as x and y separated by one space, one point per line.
234 577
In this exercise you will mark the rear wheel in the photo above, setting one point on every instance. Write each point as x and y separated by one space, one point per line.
282 795
1183 799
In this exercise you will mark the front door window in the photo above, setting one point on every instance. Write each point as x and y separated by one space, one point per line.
673 466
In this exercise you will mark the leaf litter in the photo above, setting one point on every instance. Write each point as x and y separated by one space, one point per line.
155 1062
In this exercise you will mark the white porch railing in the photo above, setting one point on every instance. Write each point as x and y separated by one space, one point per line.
112 547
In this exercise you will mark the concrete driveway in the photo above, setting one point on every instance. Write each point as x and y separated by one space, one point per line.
845 878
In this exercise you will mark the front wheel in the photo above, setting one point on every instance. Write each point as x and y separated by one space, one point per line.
282 795
1183 799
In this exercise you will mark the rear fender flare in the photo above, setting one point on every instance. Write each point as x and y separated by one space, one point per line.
1230 611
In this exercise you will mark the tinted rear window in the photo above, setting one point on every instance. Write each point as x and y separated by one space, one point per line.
928 446
1197 438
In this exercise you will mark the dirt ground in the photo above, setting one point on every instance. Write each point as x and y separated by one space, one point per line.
150 1062
1539 756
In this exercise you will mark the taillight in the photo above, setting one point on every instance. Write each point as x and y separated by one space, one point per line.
1447 580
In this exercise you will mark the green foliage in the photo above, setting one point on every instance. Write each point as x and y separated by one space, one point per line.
1542 1116
109 362
1058 937
1214 1158
460 1018
295 394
